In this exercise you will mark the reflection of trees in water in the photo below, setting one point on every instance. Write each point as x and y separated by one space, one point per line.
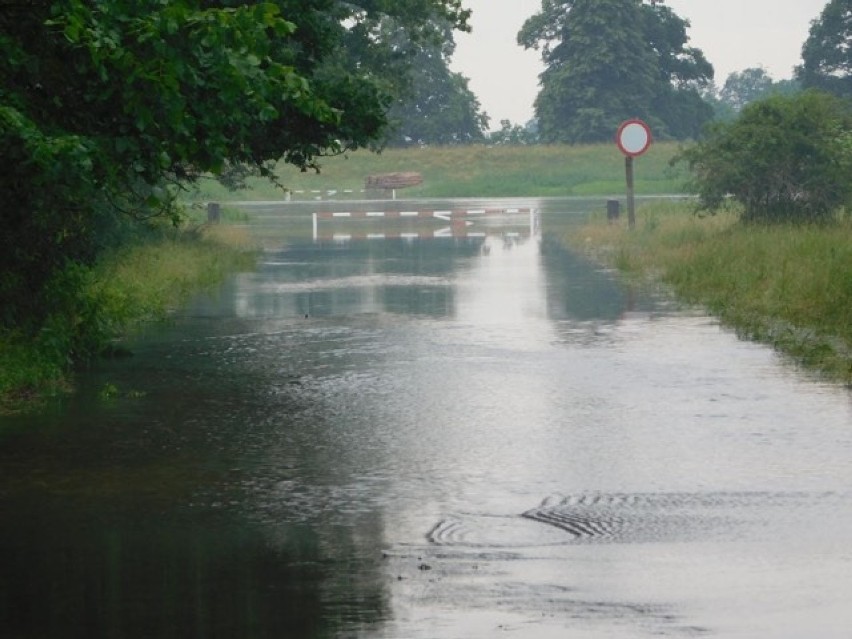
167 516
370 276
412 278
198 544
67 577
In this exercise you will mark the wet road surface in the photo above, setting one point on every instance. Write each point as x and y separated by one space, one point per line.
465 437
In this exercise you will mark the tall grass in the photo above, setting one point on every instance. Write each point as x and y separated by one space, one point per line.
146 281
788 285
477 171
135 284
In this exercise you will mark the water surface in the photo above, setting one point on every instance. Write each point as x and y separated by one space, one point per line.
445 437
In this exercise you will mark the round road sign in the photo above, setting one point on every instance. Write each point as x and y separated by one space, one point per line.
633 138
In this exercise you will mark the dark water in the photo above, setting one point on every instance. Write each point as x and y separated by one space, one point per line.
452 437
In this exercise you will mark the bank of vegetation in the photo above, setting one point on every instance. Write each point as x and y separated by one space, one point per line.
95 305
787 284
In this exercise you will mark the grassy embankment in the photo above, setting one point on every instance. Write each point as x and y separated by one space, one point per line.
786 285
136 284
477 171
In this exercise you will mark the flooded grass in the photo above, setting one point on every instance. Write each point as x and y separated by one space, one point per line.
788 285
26 373
148 280
478 171
139 283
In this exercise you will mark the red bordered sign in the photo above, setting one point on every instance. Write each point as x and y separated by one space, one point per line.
633 138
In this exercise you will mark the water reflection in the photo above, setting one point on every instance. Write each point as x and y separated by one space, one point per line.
70 576
455 437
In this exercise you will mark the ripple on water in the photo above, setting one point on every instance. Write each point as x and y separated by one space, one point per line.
623 518
485 531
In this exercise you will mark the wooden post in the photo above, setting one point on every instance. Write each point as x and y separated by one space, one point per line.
631 195
214 212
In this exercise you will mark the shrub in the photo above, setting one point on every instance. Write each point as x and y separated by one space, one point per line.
786 158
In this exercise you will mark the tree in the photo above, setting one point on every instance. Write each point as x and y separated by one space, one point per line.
722 111
745 86
785 158
683 71
750 85
437 107
106 105
514 134
598 69
827 53
609 60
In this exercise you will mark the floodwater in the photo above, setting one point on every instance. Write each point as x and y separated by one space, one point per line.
466 435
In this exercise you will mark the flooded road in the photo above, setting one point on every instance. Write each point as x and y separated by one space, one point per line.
459 435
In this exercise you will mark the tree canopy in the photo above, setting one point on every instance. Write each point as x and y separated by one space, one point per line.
610 60
515 134
106 103
742 88
749 85
827 53
437 106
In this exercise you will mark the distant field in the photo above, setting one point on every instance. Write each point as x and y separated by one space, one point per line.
475 171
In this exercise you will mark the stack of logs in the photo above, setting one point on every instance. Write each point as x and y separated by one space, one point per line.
392 181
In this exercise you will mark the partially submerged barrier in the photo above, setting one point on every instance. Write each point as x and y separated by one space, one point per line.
462 222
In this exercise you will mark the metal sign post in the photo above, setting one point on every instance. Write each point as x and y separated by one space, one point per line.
633 139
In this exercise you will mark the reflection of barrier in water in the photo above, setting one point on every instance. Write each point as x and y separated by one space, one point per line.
463 223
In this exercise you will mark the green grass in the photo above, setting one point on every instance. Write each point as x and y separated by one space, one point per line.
27 371
477 171
146 281
788 285
136 284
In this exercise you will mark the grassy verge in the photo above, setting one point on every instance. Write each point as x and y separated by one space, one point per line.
145 282
477 171
135 284
787 285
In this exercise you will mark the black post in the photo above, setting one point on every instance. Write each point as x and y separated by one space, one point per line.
613 210
214 213
631 196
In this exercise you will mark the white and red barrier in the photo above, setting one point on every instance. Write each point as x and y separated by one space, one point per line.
461 221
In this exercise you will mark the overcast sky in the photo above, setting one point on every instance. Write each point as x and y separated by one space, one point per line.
734 35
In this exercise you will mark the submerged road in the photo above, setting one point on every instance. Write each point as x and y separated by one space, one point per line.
454 437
